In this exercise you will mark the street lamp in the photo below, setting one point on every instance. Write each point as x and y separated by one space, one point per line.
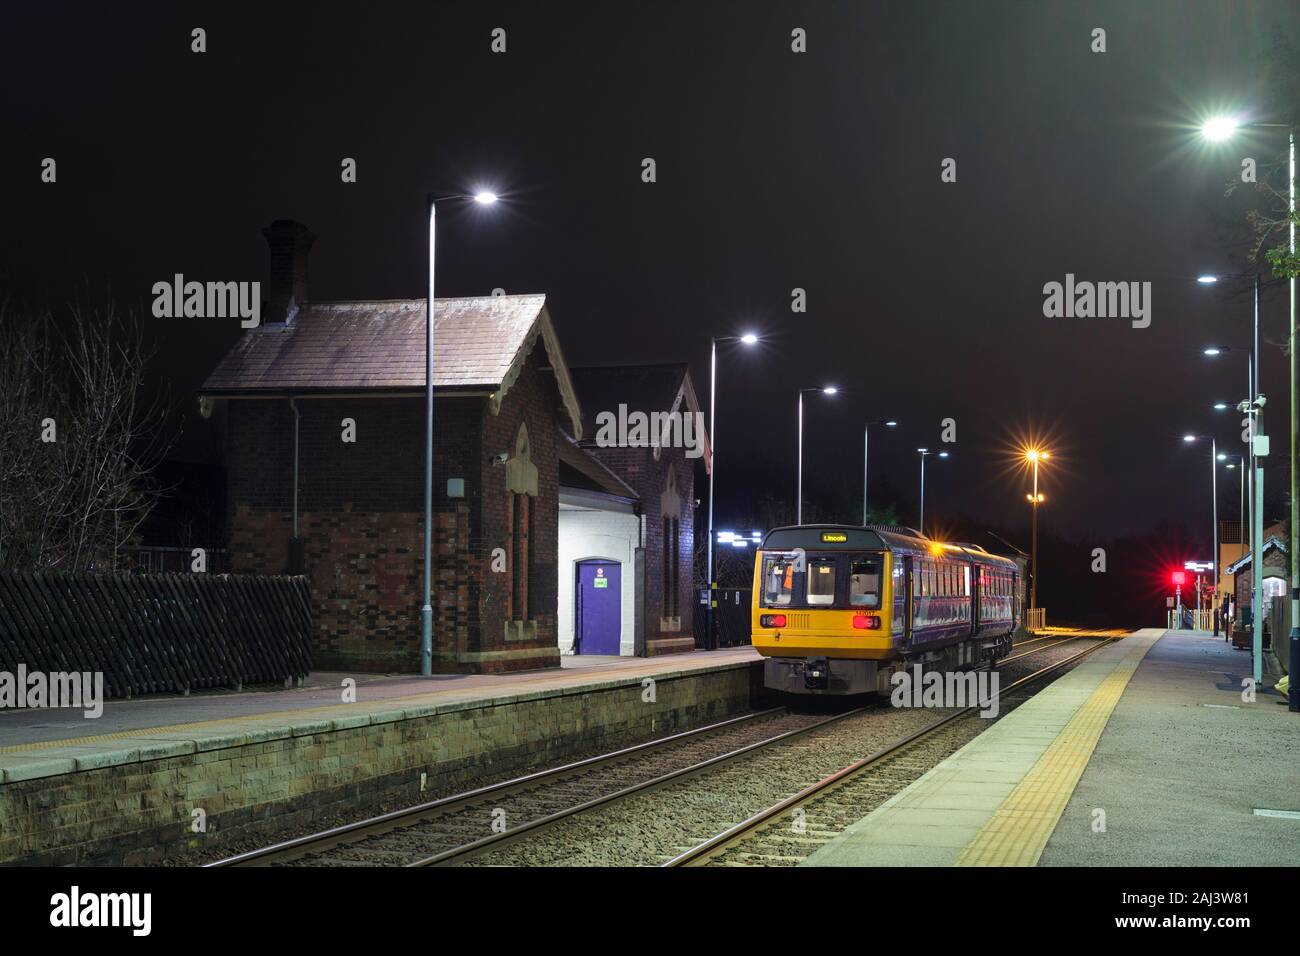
1214 511
1218 129
925 453
749 338
1034 456
483 198
825 390
866 435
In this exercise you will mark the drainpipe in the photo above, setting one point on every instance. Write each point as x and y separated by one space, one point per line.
293 405
297 563
638 576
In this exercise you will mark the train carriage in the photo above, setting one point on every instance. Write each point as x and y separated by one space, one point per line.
838 609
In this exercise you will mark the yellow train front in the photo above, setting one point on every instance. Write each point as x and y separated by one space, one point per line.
837 609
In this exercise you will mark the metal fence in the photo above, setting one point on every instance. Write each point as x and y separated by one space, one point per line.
731 624
1192 620
157 633
1035 618
155 560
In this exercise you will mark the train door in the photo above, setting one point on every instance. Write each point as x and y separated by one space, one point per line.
910 598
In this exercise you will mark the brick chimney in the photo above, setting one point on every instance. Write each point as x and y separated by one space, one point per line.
287 291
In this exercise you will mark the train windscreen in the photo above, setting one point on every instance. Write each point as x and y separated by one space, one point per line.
826 579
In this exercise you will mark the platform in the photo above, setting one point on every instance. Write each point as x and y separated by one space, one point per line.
1145 753
195 715
126 783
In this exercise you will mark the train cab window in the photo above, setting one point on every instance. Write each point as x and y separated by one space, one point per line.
778 580
864 582
821 582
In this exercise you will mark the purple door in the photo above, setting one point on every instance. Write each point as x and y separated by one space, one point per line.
600 603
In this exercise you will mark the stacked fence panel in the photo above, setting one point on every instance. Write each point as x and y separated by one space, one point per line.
160 633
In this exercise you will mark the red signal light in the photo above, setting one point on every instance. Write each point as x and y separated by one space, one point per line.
1179 578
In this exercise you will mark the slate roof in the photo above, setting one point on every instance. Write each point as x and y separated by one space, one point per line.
479 343
1271 543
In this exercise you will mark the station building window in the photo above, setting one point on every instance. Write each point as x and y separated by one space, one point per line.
521 487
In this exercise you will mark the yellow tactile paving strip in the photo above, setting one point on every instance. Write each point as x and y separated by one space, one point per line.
1019 829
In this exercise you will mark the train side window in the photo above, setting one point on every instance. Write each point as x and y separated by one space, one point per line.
864 582
821 582
965 580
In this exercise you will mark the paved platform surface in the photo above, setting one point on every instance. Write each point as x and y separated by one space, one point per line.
172 723
1183 766
1152 730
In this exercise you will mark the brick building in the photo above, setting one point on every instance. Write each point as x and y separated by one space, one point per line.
663 479
321 414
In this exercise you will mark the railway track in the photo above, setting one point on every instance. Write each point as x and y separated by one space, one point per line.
482 824
789 831
444 831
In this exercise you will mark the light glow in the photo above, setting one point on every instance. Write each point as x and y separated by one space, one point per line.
1218 128
1207 279
749 338
485 198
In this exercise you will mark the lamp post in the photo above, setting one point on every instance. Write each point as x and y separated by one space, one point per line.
749 338
1218 129
925 453
1034 457
1214 511
866 436
798 507
426 611
1240 467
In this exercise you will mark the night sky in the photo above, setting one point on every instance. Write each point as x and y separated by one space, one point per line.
775 170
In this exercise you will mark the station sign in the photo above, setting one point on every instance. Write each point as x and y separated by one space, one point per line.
1199 567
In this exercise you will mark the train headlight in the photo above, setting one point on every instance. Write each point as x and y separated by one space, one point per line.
772 620
866 622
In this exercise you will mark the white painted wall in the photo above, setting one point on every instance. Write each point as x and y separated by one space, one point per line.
597 534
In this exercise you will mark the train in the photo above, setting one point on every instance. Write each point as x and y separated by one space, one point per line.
838 609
